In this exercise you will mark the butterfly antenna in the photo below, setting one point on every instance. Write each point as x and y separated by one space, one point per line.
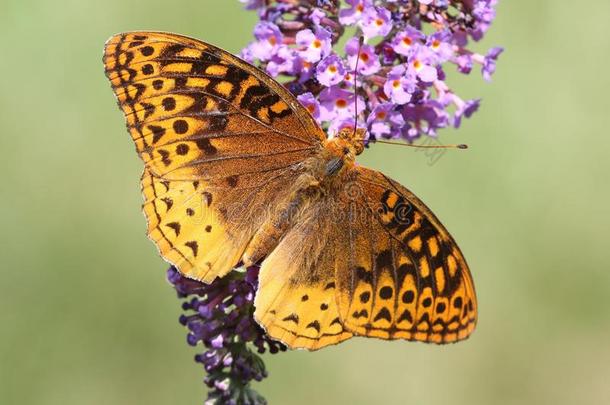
460 146
360 42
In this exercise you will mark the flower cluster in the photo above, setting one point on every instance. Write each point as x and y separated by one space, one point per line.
219 316
399 88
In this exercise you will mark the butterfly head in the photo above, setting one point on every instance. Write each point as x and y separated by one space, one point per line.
341 150
354 140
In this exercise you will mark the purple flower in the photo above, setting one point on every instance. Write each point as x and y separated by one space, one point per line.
464 63
464 109
489 64
384 120
404 68
440 44
309 101
405 40
424 119
353 14
305 69
268 39
220 317
483 13
314 46
330 70
252 4
422 63
376 22
399 85
368 62
337 103
317 15
284 60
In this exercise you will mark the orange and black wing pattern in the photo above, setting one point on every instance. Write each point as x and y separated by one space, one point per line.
197 112
405 277
367 259
215 134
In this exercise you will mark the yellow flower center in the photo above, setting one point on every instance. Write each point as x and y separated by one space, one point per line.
407 41
341 103
317 43
332 69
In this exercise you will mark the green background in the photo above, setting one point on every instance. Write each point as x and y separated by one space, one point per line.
86 316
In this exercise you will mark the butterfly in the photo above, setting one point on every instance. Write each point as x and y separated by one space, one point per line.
237 172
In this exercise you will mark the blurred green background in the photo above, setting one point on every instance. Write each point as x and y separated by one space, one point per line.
86 316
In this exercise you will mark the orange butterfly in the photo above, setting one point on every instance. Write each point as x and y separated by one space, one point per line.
238 172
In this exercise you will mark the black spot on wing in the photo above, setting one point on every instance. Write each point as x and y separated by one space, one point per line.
206 146
292 318
361 314
383 313
314 325
194 247
386 293
175 226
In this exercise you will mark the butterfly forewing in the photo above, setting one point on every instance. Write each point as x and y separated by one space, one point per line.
216 135
197 112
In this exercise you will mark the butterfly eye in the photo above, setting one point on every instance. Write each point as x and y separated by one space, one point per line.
345 150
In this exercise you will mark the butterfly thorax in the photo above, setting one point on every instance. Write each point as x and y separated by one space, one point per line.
314 179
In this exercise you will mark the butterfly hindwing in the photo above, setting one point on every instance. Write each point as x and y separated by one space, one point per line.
406 278
392 269
296 299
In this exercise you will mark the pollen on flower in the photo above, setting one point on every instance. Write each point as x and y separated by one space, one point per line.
436 44
417 64
407 41
332 69
379 22
317 43
396 83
